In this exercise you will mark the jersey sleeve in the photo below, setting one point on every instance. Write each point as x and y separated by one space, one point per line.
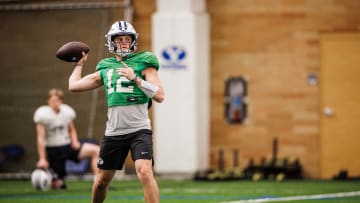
70 113
39 115
150 60
101 65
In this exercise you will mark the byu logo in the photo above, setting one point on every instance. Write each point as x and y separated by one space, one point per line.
174 57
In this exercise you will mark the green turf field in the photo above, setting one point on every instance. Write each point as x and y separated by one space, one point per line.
180 191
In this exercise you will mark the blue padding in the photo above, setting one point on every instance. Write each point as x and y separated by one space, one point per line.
79 168
13 151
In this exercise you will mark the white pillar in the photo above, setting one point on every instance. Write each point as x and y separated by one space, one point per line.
180 37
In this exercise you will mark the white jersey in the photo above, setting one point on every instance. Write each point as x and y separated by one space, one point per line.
56 124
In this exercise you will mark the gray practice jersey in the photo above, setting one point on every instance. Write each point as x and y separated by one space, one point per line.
127 119
56 124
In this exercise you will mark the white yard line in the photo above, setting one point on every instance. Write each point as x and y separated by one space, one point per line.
303 197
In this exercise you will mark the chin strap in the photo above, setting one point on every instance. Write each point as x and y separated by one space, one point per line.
123 53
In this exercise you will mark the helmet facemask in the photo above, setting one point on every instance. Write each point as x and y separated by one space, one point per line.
123 52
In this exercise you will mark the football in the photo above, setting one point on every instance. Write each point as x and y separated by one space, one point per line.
41 179
72 51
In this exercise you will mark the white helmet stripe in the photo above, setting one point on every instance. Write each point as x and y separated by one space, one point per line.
122 25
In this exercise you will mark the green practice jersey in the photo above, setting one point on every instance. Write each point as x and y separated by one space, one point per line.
119 90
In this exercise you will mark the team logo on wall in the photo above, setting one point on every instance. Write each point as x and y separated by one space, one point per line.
174 57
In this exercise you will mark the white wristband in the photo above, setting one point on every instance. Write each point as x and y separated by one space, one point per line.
148 88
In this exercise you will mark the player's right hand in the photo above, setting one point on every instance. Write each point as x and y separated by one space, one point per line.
83 59
42 163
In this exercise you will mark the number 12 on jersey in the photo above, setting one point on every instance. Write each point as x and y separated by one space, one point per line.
119 87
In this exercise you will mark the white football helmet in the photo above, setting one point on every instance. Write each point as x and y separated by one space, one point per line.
41 179
121 28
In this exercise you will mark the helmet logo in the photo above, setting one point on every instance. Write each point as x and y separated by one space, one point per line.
122 25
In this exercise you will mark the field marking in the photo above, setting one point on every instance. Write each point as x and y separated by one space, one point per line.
303 197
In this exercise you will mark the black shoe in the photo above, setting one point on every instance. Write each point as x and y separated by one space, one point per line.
63 187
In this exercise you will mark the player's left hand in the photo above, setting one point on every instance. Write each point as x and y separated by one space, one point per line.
126 71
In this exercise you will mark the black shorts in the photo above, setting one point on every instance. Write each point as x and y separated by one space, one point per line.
58 155
114 149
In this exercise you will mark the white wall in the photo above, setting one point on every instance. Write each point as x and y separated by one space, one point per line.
181 122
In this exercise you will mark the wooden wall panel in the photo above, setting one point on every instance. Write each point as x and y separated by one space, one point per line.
276 45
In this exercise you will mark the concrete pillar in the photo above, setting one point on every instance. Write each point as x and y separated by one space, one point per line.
180 37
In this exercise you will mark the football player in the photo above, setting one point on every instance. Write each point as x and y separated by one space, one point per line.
130 80
57 139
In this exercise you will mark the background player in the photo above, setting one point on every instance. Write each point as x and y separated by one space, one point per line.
57 138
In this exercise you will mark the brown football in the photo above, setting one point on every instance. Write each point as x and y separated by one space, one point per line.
72 51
